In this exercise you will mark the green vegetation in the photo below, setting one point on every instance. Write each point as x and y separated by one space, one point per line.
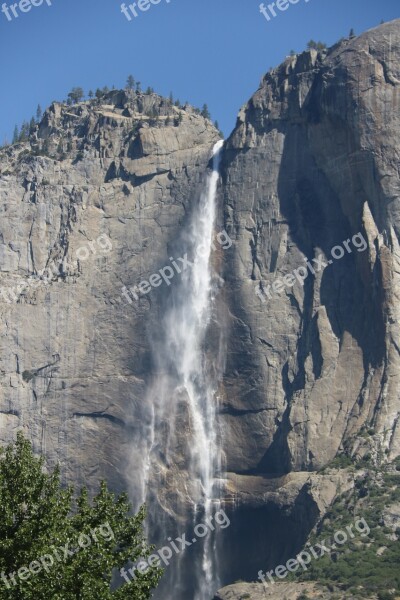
76 95
357 566
15 135
205 112
216 125
41 519
130 83
312 45
178 120
342 461
22 134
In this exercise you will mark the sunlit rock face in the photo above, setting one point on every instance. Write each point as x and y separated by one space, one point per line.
100 206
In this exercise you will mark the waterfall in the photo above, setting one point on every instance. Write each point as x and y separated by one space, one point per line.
187 326
181 474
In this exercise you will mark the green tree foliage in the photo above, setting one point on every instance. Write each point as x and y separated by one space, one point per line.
357 564
41 519
178 119
313 45
90 94
39 113
130 83
352 34
205 112
216 125
76 94
24 133
15 135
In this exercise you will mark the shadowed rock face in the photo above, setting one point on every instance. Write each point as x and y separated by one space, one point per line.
312 162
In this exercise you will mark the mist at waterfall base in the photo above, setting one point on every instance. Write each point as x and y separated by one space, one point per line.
176 459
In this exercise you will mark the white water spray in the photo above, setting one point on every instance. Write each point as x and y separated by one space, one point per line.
186 326
185 462
181 465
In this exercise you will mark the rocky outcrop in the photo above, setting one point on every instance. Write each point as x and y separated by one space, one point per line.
90 204
281 591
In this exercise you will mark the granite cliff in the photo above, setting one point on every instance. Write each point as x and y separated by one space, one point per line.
311 371
75 355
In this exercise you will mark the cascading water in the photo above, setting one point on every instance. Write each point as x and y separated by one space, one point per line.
183 465
187 325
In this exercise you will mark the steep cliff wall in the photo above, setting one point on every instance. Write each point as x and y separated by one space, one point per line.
312 162
101 192
98 195
313 360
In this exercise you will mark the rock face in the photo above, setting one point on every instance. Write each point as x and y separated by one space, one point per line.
97 196
309 195
313 165
312 360
313 162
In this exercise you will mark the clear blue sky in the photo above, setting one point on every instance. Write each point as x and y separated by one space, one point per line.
212 51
